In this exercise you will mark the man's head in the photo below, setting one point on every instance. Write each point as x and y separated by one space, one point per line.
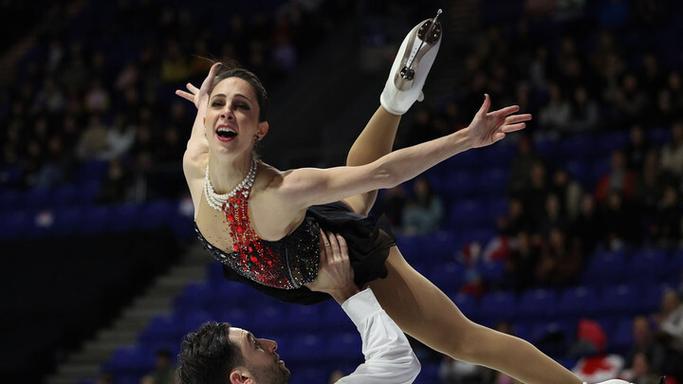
218 354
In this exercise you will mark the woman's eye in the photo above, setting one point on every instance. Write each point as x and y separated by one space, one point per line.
216 104
242 106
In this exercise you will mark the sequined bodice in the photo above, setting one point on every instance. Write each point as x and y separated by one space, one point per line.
289 263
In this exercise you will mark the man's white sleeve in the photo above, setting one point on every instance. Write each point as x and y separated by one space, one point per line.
389 359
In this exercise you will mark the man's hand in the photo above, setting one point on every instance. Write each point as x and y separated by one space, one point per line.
335 276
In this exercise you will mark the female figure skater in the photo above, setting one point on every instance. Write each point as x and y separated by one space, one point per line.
264 224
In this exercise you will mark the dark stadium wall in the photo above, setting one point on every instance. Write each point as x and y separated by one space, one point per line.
63 289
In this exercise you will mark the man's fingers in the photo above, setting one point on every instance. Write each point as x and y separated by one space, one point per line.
324 248
343 247
334 247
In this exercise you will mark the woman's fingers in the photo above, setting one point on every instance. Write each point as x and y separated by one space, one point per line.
518 118
185 95
512 127
484 109
505 111
192 88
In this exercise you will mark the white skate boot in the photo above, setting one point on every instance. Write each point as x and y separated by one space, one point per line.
411 67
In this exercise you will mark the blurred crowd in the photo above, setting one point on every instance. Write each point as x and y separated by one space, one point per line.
100 87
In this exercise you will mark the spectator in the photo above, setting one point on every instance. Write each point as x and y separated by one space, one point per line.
637 148
584 111
672 153
555 115
618 180
522 262
669 216
640 371
393 203
587 227
671 319
459 372
93 144
553 216
520 170
559 263
423 213
164 371
568 191
644 342
594 363
535 195
114 188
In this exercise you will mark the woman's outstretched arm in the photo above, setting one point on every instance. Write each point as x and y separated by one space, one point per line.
198 144
197 150
309 186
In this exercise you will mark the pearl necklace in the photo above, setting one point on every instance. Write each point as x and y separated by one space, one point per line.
217 201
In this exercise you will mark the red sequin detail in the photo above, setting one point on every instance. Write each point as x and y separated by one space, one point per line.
253 255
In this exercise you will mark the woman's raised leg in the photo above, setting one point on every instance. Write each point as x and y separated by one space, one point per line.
403 87
423 311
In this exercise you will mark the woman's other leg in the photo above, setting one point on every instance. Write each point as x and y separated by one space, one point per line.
423 311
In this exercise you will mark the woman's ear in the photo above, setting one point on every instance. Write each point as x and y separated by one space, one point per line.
263 128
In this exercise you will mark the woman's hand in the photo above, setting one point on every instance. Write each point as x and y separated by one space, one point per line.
197 95
335 276
489 127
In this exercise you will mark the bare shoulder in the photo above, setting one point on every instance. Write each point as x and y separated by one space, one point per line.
274 216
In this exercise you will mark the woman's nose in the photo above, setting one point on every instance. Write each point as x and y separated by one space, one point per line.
227 114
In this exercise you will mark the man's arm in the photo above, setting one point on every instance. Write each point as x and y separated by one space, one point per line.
388 355
389 358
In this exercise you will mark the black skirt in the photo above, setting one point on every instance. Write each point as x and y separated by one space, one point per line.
368 241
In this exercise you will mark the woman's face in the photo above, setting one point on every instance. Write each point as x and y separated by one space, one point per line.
232 118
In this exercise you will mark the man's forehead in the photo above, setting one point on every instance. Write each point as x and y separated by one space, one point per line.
237 334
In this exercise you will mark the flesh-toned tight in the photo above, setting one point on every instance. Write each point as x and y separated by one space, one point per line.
424 312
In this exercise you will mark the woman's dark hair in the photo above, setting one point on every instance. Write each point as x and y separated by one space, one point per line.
207 356
229 70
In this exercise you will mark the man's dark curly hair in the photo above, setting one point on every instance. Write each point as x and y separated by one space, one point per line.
207 356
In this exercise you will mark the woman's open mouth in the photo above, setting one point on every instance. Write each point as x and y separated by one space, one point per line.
225 134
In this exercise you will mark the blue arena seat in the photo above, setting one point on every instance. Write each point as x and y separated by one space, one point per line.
270 319
578 302
537 304
605 267
619 300
196 296
304 317
647 265
448 276
345 345
498 306
162 329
